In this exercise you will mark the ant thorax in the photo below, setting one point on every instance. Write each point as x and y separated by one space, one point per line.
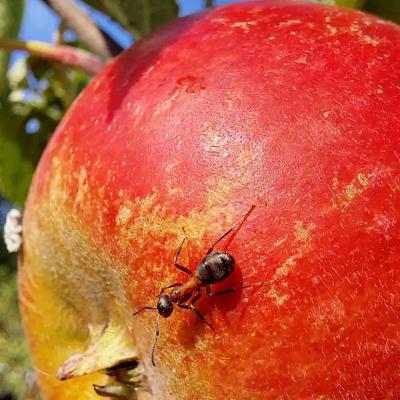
183 292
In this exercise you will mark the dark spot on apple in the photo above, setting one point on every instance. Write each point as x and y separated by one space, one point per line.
191 84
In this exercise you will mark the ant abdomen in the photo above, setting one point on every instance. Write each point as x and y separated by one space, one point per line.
215 267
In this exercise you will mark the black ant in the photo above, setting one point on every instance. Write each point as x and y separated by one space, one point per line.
214 267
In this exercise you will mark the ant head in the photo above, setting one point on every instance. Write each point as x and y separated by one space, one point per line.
165 306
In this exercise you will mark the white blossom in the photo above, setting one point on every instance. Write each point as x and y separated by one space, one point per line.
13 230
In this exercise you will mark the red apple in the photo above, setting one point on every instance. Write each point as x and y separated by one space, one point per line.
292 107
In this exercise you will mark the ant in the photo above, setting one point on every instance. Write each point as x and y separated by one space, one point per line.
216 266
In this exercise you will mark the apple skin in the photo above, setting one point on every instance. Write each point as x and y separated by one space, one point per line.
291 107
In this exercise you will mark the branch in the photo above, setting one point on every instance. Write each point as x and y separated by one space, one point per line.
209 3
98 41
63 54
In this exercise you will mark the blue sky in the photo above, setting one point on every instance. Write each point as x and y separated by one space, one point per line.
40 22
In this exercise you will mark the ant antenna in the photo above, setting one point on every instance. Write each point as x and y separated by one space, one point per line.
144 308
237 225
157 329
155 340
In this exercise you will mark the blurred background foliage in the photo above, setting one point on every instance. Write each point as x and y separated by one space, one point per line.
35 92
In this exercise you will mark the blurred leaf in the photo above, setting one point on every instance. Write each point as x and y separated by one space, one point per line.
41 92
389 9
14 361
17 73
139 17
350 3
11 12
343 3
18 155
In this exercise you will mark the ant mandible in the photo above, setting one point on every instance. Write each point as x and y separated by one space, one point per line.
214 267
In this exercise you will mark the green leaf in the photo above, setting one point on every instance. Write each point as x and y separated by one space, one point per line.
139 17
14 358
330 2
350 3
343 3
10 20
18 156
11 12
42 99
389 9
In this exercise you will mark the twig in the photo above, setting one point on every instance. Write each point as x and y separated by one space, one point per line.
64 54
209 3
98 41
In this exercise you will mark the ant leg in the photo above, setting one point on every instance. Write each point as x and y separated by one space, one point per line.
177 254
237 224
153 350
230 290
169 287
144 308
193 308
196 297
197 312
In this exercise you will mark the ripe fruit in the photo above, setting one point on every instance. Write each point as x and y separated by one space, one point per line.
293 107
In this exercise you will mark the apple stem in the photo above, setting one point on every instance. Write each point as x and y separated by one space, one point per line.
67 55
